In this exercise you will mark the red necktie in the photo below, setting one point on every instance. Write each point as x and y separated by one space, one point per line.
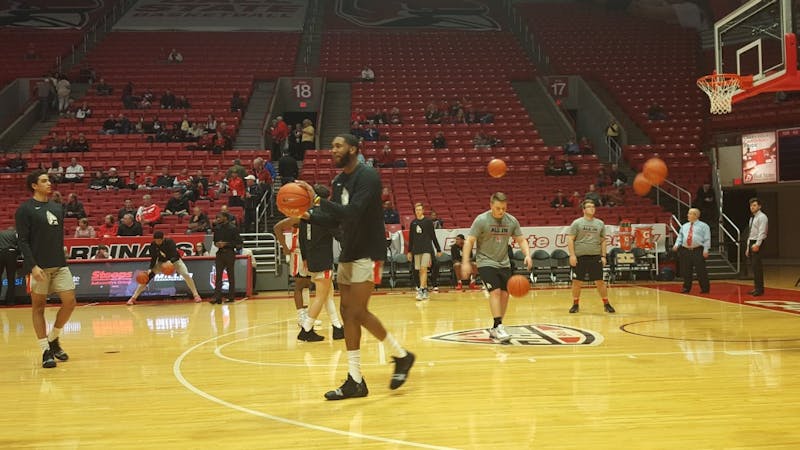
689 236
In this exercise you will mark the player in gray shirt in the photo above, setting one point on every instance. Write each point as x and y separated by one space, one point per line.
586 241
491 231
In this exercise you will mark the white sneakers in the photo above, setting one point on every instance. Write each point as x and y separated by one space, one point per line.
499 333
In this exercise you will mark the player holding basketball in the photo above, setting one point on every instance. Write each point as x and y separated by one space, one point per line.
491 231
40 227
316 249
297 267
356 206
162 250
587 254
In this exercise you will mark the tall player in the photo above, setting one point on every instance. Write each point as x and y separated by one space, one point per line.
162 250
40 227
587 254
490 232
356 206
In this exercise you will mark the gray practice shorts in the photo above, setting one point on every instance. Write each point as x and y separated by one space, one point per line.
57 279
359 271
422 260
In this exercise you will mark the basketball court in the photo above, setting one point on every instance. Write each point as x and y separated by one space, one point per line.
669 370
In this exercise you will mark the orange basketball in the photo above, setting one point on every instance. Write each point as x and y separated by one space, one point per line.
497 168
641 185
167 268
655 170
142 277
518 286
293 200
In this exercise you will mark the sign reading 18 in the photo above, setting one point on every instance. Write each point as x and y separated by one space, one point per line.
302 90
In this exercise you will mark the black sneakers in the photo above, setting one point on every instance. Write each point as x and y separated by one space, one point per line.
309 336
216 301
48 361
401 368
350 389
609 308
58 352
575 308
338 333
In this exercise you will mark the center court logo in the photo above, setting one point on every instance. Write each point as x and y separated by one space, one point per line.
534 334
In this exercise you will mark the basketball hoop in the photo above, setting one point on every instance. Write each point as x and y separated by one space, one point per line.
720 89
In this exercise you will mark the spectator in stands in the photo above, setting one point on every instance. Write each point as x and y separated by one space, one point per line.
616 196
164 180
168 100
175 56
439 140
80 145
567 168
122 124
371 133
74 172
198 222
576 198
367 74
280 136
68 144
56 197
295 140
602 178
390 215
237 168
585 145
127 208
84 230
147 99
394 116
149 213
612 132
307 141
617 177
146 179
102 252
593 195
211 124
74 208
55 172
287 168
63 90
102 88
705 201
131 181
178 205
113 180
237 103
551 168
482 140
129 227
252 197
237 189
571 147
16 164
98 181
560 200
83 112
53 143
200 249
432 114
108 228
109 125
140 127
220 143
182 103
656 112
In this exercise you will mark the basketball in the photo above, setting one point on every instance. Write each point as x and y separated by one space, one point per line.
518 286
655 170
167 268
641 185
497 168
293 200
142 277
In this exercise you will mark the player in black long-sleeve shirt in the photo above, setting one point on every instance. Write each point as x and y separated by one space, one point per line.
40 227
162 250
227 241
356 207
421 242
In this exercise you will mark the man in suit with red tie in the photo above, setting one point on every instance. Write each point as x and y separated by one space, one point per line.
692 245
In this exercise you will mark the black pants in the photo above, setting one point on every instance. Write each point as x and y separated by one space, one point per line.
756 265
224 261
8 263
692 259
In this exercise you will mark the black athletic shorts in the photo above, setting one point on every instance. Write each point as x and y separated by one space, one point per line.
591 265
494 278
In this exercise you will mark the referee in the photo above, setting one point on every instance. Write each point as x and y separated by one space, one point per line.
692 244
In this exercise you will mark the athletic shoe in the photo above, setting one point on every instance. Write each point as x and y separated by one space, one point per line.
309 336
609 308
48 361
131 301
230 300
58 352
338 333
419 295
436 289
499 332
575 308
350 389
401 368
216 301
459 286
197 299
473 285
425 294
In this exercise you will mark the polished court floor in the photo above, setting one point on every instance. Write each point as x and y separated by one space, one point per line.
669 370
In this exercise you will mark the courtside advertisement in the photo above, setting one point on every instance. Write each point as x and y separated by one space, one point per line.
759 158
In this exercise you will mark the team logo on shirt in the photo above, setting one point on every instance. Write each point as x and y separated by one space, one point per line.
457 15
532 334
52 219
64 14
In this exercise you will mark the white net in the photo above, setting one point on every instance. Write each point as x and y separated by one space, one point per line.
720 89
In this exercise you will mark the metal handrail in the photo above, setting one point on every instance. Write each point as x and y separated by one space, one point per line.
735 238
614 150
679 190
263 208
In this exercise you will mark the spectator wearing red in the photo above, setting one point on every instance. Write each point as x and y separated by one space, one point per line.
280 137
236 188
108 228
149 213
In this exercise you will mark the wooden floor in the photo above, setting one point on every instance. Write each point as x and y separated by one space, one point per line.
669 371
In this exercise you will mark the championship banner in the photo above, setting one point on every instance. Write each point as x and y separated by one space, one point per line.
214 15
759 158
128 246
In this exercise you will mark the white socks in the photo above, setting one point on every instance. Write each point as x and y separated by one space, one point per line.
54 334
43 344
333 312
396 348
354 365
